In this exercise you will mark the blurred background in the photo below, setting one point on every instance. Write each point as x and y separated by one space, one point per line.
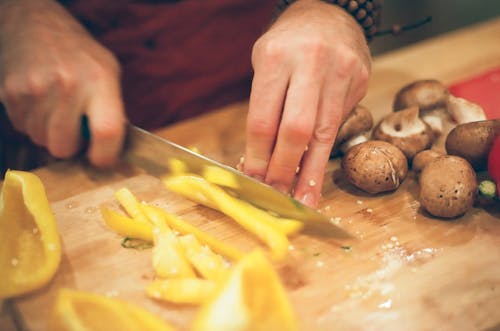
447 15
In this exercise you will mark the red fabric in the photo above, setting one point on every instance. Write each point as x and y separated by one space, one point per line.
179 59
483 89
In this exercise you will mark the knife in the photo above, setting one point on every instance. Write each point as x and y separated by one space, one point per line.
153 153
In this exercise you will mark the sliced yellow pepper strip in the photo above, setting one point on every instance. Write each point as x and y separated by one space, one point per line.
184 227
181 290
126 226
209 264
30 247
177 167
131 205
236 209
81 311
251 299
169 260
220 176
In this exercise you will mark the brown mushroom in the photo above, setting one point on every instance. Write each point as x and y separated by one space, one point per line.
353 130
448 186
405 130
423 158
427 94
375 166
473 141
438 107
464 111
430 96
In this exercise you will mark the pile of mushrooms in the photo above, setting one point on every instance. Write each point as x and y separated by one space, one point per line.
423 112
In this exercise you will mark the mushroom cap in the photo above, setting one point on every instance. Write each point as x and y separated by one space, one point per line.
405 130
357 122
464 111
448 186
375 166
473 141
427 94
423 158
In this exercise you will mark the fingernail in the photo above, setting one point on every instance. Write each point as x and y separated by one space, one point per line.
280 187
308 199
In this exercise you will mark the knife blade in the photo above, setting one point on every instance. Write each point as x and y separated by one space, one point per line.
152 153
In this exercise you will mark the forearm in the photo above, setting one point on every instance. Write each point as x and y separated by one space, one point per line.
366 12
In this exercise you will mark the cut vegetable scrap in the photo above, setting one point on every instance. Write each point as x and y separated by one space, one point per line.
169 260
208 264
30 247
182 290
194 187
184 227
126 226
252 298
131 205
79 311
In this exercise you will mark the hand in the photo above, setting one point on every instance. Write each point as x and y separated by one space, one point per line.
52 72
310 69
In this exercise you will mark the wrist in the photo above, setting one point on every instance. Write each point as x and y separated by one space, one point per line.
367 13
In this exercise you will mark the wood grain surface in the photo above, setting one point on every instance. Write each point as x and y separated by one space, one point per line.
404 270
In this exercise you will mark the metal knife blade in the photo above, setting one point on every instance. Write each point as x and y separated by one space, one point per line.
152 153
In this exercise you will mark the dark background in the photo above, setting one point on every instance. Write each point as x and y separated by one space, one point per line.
447 15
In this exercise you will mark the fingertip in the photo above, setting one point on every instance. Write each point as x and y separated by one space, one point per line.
106 142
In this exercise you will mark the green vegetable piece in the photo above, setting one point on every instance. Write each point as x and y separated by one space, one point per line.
487 189
135 243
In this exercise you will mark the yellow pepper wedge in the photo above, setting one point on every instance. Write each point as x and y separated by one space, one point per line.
208 264
82 311
191 186
126 226
184 227
30 247
181 290
131 205
251 299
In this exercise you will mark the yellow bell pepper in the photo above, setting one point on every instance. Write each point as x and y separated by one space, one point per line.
220 176
126 226
30 247
208 264
169 259
131 205
194 187
184 227
181 290
251 299
82 311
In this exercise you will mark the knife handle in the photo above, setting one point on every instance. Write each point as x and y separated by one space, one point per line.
84 129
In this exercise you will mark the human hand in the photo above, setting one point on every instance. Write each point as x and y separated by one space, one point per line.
310 69
52 72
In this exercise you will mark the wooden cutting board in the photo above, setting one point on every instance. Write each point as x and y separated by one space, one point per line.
404 271
403 268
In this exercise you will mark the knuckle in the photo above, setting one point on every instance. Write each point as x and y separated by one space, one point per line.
299 132
267 51
317 49
347 61
325 134
65 80
260 128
